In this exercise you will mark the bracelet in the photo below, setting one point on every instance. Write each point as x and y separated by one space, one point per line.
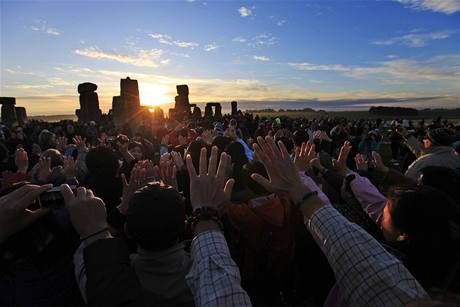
94 234
306 196
204 214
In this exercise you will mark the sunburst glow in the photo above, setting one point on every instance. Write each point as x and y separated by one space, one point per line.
154 94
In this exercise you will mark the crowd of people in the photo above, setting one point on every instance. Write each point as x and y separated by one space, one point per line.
239 211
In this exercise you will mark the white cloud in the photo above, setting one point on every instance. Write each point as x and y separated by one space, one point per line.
281 23
167 40
20 72
143 58
443 67
415 39
261 58
392 56
41 25
239 39
263 40
244 11
317 67
211 47
441 6
56 81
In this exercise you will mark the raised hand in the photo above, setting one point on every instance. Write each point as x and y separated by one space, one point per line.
178 160
168 173
21 159
341 162
304 155
361 162
87 213
44 169
69 168
136 181
210 187
61 143
165 157
14 215
316 163
283 175
80 142
378 163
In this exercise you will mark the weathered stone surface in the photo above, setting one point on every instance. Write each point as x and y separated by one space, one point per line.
21 115
126 107
234 108
86 87
8 110
89 103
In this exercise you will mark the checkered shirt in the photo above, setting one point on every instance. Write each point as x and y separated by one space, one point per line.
366 273
214 277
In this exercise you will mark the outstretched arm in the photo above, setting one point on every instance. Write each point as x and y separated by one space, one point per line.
367 275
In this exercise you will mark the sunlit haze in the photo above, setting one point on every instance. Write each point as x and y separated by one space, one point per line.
344 55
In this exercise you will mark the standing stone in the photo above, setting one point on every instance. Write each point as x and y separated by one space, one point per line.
21 115
234 108
208 111
8 110
127 106
89 103
218 111
182 105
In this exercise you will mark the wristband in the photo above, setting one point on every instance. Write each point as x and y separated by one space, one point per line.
205 214
307 196
94 234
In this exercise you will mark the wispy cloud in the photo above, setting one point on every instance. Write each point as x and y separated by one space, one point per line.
443 67
142 58
441 6
168 40
415 39
245 11
261 58
318 67
239 39
263 40
281 23
20 72
211 47
41 25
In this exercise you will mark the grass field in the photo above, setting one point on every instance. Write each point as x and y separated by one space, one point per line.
353 115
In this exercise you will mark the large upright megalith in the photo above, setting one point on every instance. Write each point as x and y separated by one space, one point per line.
8 110
89 103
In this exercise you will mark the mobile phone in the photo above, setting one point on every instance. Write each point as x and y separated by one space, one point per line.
53 198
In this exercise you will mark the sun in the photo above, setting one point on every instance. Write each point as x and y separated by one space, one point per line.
154 94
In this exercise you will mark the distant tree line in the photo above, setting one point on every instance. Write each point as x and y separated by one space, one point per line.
393 111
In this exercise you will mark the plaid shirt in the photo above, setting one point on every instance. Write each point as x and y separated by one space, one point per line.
366 273
214 277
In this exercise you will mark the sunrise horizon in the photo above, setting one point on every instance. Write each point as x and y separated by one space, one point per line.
286 55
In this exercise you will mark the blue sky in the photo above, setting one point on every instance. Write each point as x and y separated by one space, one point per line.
326 54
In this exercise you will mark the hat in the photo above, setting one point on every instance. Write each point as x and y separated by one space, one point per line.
440 137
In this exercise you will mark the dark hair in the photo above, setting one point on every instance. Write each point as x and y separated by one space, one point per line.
102 161
287 143
300 136
221 142
254 167
134 144
156 217
431 220
236 151
194 150
444 179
